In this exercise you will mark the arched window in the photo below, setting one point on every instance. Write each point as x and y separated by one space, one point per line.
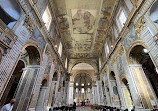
66 63
47 18
55 76
100 63
60 48
121 18
106 49
44 83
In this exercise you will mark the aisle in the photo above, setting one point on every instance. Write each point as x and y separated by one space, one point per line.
84 109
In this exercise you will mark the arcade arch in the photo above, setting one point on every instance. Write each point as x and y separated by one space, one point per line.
54 87
144 74
115 99
12 86
32 59
126 93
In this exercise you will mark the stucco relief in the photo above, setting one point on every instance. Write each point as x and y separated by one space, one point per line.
29 24
140 25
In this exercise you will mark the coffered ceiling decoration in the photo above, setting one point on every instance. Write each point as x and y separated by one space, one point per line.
83 24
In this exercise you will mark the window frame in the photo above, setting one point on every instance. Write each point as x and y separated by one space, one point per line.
47 11
118 18
107 50
60 48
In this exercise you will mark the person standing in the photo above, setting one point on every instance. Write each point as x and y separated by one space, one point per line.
9 106
74 106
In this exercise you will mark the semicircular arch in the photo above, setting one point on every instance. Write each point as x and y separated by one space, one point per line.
35 48
136 43
78 62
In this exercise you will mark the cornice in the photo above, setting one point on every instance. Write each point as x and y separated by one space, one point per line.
39 22
130 19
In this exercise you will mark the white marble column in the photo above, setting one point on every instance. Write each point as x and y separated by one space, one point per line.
41 103
71 90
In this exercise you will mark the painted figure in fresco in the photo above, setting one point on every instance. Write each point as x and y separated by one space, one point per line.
9 106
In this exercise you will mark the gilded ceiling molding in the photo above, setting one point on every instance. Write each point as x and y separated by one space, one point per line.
140 25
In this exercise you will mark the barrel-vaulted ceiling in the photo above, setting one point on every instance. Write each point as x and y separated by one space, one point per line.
83 24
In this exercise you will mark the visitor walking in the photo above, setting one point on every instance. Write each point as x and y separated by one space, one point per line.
74 106
9 106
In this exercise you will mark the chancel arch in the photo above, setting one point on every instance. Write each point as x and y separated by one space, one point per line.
82 67
144 73
77 63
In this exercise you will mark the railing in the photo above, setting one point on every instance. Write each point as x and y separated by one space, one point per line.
7 36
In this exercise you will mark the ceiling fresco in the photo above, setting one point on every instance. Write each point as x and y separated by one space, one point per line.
83 24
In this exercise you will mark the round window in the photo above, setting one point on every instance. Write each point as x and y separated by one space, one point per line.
115 90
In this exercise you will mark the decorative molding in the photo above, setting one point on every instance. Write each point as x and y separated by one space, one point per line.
140 25
119 52
29 24
156 39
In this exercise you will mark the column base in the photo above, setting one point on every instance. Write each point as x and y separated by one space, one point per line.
31 109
